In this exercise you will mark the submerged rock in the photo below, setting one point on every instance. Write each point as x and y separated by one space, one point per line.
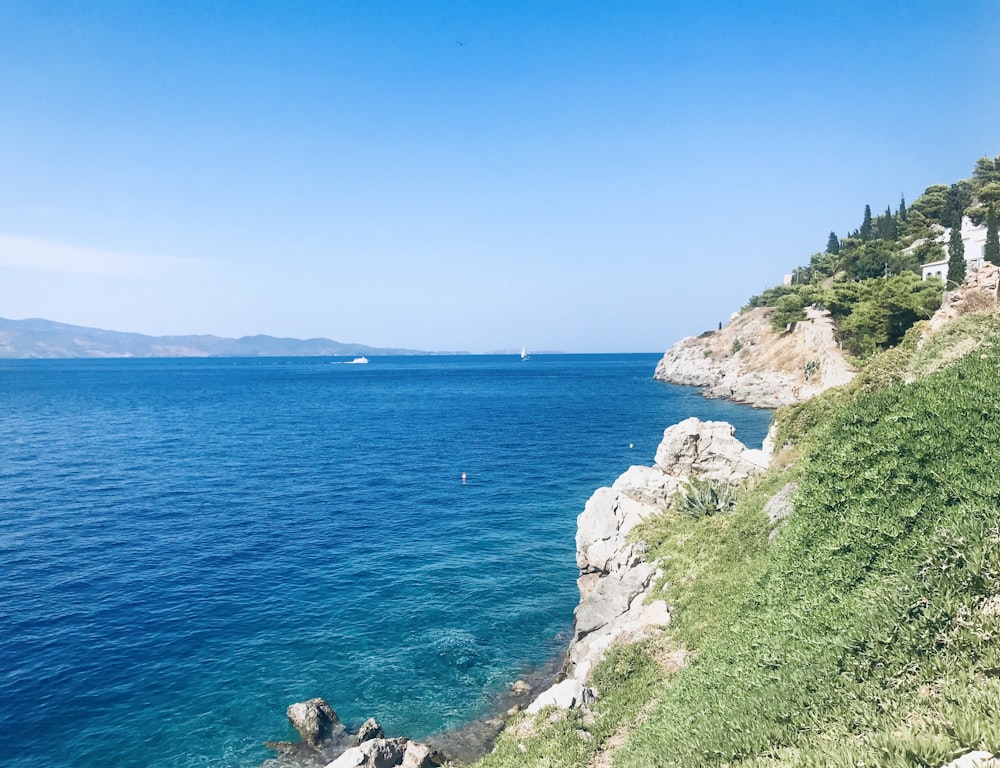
520 688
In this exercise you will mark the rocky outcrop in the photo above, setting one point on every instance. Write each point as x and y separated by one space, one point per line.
615 578
369 730
980 291
979 759
315 721
779 507
325 738
748 362
386 753
568 694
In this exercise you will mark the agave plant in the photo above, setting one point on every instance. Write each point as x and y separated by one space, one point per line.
702 498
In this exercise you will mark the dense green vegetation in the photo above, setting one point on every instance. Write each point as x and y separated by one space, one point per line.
865 633
889 247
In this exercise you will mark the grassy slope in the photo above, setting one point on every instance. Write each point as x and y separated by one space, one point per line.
866 633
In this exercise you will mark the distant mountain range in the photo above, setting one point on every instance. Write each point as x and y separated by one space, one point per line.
37 338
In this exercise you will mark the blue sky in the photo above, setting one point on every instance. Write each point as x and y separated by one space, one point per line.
575 176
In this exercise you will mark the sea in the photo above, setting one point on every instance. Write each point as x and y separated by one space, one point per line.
188 546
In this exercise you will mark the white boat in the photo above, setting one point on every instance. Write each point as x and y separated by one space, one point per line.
358 361
524 353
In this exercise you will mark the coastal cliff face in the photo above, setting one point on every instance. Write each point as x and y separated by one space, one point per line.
615 578
748 362
980 291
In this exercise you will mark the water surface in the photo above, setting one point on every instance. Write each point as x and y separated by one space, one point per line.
188 546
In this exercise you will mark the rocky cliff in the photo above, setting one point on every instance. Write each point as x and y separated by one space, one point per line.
979 292
615 578
748 362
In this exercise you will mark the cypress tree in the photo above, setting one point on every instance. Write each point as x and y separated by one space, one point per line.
887 225
833 244
956 258
992 252
866 225
901 213
958 199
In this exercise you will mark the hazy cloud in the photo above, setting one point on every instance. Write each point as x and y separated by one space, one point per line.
51 256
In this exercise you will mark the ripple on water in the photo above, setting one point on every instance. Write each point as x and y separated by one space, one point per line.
188 546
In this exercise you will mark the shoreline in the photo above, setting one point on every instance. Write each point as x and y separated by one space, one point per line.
614 581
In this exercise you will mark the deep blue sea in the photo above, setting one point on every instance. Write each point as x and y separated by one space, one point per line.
189 546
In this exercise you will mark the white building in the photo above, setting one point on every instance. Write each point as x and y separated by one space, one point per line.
974 240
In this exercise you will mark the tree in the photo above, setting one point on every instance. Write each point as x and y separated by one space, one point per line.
956 258
989 194
992 251
876 314
874 258
887 225
986 171
901 213
823 265
959 198
833 244
931 203
866 225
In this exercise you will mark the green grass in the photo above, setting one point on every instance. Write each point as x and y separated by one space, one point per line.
861 635
626 680
962 336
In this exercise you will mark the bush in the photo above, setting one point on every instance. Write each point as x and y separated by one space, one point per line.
876 314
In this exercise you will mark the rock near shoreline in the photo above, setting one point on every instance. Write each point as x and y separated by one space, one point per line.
746 361
615 577
325 741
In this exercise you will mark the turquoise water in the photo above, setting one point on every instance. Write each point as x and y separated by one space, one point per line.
188 546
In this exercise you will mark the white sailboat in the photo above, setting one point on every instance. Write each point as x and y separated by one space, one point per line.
524 352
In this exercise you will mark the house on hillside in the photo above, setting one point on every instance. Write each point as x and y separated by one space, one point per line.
974 240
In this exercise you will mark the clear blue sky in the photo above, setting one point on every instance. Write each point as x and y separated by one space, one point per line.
576 176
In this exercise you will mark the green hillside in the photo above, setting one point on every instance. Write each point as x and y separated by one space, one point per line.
869 280
864 629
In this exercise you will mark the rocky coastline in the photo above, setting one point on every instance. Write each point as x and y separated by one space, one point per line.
615 583
616 580
748 362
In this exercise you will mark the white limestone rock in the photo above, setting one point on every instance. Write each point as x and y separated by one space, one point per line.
386 753
978 759
707 450
417 755
748 362
615 579
568 694
981 290
315 721
369 730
